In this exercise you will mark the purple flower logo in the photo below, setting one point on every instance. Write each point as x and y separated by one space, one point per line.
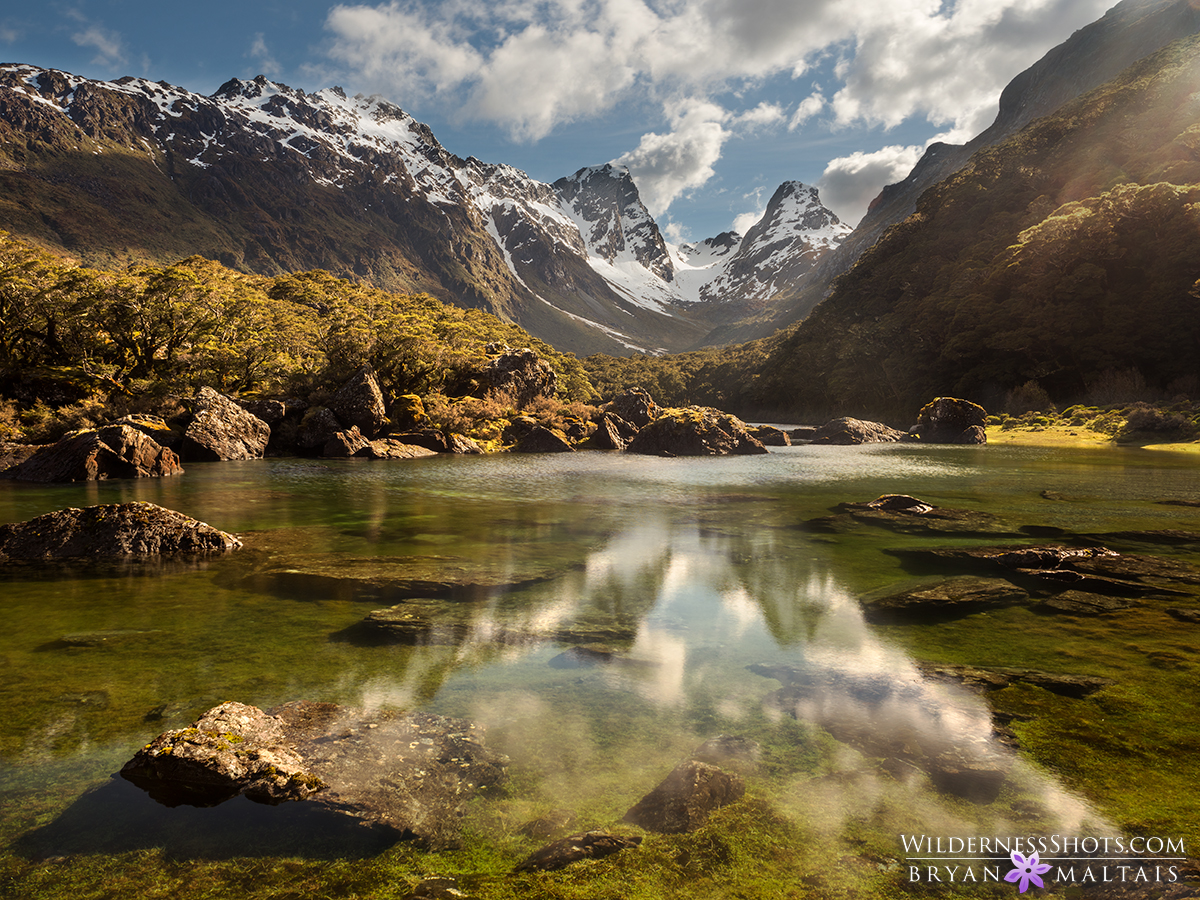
1027 870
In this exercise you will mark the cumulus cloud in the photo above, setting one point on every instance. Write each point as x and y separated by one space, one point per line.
666 165
531 65
850 183
263 58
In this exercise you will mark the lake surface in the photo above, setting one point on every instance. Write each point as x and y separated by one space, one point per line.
699 569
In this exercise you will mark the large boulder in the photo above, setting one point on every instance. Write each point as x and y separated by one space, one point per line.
695 431
222 430
608 434
359 402
317 428
770 436
847 430
113 530
520 375
411 772
947 420
636 407
114 451
438 441
155 427
526 435
686 797
345 443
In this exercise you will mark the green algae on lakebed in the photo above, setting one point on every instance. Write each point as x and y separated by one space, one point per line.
711 562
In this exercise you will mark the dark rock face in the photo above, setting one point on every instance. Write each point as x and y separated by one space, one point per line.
608 435
12 455
950 421
317 428
521 375
359 402
115 530
636 407
585 845
848 431
412 772
544 440
114 451
222 430
686 798
695 431
1185 615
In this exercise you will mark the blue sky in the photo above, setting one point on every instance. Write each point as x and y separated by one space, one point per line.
711 103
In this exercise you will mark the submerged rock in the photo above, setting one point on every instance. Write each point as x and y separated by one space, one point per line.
946 599
577 847
1055 567
908 515
433 621
695 431
993 678
113 530
114 451
686 797
847 431
222 430
413 772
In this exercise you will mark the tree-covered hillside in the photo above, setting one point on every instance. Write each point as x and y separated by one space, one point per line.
67 332
1065 254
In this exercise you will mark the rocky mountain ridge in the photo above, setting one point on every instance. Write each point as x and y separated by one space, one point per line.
268 178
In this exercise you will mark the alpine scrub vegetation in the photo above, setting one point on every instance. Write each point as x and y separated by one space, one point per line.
76 342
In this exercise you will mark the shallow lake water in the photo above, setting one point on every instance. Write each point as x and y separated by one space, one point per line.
704 576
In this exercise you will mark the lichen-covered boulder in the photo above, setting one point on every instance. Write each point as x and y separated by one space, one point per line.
695 431
412 772
359 402
408 413
947 420
112 530
848 431
114 451
222 430
635 406
232 749
520 375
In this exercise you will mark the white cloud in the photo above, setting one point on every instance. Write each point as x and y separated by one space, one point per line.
666 165
108 44
8 35
850 183
809 107
530 65
263 59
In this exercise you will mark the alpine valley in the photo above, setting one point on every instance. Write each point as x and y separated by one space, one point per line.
269 179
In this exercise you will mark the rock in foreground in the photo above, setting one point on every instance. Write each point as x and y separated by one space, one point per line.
413 772
114 451
695 431
113 530
686 797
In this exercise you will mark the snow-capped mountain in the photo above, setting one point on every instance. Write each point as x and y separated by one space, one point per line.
267 178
